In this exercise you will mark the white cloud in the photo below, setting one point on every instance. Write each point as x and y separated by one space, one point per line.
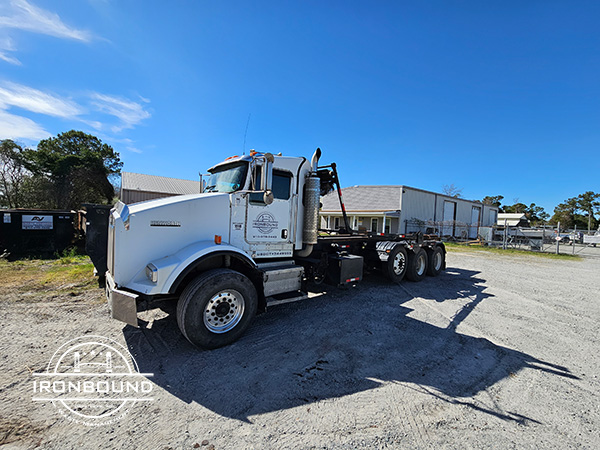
130 113
17 95
6 45
96 125
17 127
9 59
22 15
134 150
125 113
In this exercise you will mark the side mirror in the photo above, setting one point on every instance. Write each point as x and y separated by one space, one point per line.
262 179
267 173
268 197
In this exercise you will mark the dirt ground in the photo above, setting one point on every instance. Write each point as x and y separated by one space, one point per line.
497 352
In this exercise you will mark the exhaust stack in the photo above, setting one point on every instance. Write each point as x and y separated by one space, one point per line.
312 197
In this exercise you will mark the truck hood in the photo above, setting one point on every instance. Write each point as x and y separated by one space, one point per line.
154 229
169 202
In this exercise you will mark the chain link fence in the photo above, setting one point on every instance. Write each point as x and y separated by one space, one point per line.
542 239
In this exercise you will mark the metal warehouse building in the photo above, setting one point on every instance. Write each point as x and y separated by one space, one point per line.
136 187
403 209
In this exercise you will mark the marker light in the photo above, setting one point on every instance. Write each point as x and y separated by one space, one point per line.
152 272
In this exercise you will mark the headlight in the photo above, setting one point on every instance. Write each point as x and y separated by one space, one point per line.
152 273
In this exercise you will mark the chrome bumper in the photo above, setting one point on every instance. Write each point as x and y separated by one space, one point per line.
122 304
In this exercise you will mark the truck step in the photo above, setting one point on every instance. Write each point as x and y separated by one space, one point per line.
282 279
288 297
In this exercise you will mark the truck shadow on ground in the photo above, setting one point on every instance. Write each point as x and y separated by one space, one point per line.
338 344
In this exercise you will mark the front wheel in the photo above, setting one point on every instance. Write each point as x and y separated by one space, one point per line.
417 265
216 308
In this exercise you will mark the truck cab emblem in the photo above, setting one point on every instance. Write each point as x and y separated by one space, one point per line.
165 223
265 223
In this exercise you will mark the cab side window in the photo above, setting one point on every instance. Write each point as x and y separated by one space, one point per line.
281 184
281 187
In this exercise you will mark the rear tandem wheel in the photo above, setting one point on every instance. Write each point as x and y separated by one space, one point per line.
417 265
436 263
397 263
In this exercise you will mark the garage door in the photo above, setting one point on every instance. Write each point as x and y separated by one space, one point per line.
449 216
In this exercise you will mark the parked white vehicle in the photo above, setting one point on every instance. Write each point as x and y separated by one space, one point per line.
249 241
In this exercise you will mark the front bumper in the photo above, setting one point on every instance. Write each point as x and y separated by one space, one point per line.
122 304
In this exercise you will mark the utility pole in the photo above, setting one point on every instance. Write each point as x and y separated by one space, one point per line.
558 238
543 235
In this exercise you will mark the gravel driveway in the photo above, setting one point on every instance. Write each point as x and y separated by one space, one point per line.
497 352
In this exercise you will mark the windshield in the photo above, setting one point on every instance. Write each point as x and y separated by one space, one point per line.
228 178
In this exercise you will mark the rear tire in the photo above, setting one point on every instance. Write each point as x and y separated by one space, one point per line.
397 263
216 308
417 265
435 259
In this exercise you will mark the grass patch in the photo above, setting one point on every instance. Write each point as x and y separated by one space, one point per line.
31 279
77 274
453 246
71 256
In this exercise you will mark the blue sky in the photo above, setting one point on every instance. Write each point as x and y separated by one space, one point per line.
495 97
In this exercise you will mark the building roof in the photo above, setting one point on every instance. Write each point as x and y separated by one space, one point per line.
365 198
152 183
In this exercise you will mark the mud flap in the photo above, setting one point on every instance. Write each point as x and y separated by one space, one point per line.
123 306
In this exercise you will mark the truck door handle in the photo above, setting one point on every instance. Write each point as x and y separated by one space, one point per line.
284 234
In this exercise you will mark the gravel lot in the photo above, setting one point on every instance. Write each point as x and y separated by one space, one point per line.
497 352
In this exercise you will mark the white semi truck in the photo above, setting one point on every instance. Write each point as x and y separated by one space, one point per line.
249 241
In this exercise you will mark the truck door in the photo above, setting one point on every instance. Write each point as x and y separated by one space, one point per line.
268 227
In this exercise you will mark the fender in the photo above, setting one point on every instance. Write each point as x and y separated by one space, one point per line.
385 247
173 268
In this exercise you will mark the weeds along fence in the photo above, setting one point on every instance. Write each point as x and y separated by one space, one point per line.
542 239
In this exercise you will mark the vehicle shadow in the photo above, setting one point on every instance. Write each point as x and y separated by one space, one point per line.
336 344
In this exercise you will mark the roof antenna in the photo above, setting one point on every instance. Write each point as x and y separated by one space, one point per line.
246 132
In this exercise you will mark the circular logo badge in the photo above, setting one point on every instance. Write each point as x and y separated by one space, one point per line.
92 380
265 223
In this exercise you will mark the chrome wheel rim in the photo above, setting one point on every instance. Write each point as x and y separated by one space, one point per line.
420 265
438 261
224 311
398 263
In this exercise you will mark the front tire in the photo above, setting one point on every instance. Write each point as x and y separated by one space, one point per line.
216 308
417 265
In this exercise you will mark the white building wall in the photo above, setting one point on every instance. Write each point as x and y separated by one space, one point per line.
427 208
416 205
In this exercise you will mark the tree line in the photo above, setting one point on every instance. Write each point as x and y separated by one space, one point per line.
62 172
72 168
575 212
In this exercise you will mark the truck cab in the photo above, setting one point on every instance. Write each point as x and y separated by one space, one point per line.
250 220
